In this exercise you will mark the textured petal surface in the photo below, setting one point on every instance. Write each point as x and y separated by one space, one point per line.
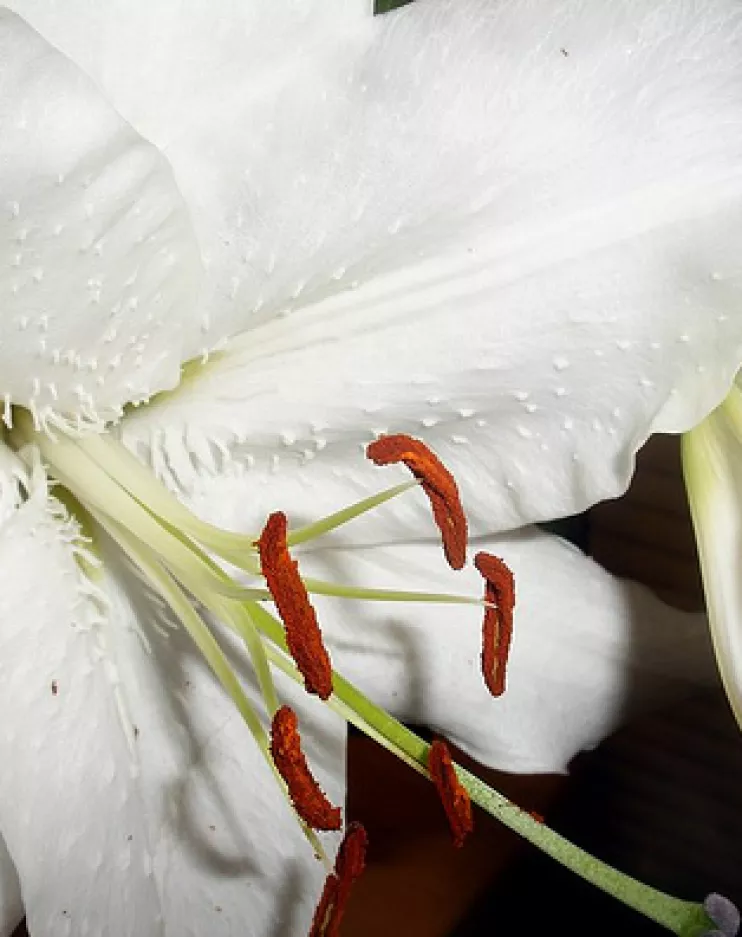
163 64
589 651
99 270
509 230
133 800
713 474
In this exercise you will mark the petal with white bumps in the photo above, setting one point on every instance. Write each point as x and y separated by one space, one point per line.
461 234
99 270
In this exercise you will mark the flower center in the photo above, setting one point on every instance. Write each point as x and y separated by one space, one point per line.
112 494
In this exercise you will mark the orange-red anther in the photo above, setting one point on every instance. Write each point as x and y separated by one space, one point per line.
437 483
349 864
303 635
306 795
326 920
497 628
452 793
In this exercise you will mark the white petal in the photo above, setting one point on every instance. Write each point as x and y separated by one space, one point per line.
487 249
712 463
133 800
99 269
67 804
229 856
163 63
12 473
11 905
589 651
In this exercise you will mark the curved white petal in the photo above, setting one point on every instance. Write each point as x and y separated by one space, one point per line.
230 856
589 651
66 804
132 799
162 64
712 464
510 230
99 270
12 474
11 905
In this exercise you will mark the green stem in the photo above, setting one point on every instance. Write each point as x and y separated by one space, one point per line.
673 913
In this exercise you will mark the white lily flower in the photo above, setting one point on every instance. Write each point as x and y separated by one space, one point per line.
511 232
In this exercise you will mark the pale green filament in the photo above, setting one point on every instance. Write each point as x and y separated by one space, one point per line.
172 547
324 526
320 587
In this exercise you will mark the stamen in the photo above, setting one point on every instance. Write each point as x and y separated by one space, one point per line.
349 864
453 796
167 546
497 628
303 635
306 795
437 483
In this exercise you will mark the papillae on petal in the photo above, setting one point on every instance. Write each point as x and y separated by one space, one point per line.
532 319
99 266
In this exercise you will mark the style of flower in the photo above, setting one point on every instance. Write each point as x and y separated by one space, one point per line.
244 243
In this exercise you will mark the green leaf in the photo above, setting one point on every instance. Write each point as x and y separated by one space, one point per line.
386 6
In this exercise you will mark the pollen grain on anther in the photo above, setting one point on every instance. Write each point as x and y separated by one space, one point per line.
452 793
349 864
497 628
303 635
306 795
437 483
